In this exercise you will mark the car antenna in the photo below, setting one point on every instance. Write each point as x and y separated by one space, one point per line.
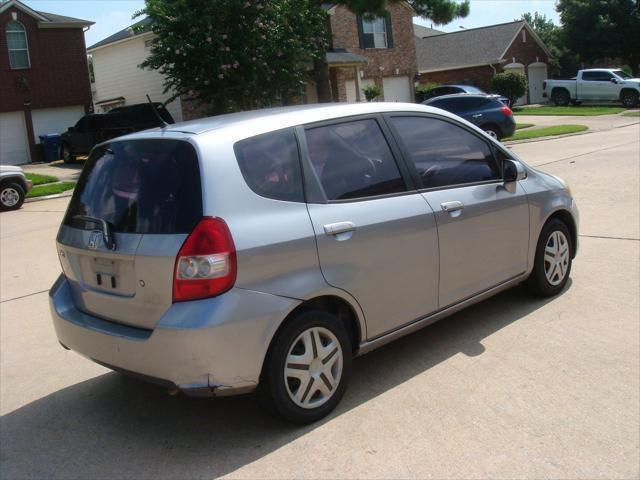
155 110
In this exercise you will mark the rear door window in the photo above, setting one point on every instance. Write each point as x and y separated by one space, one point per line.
353 160
140 186
445 154
270 165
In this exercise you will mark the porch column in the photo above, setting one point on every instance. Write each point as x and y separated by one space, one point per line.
356 69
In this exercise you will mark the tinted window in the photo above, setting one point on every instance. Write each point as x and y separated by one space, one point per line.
445 154
353 160
270 165
81 125
456 104
470 89
140 186
596 76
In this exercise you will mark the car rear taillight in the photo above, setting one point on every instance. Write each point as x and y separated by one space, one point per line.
506 111
206 263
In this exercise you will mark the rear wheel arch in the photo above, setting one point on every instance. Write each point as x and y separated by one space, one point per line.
340 308
632 92
494 127
560 90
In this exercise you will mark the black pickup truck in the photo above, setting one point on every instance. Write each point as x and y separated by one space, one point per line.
98 127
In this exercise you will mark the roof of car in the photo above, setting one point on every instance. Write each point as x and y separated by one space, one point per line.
463 95
290 116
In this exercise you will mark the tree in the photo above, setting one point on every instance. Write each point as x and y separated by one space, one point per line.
234 54
562 61
371 92
512 85
600 29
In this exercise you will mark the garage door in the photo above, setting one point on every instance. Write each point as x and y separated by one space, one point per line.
55 120
14 146
396 89
537 75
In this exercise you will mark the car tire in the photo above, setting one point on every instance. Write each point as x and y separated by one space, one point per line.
552 264
629 99
561 98
309 349
11 196
65 153
492 131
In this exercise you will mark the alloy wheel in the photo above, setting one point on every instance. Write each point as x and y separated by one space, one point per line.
9 197
313 367
556 257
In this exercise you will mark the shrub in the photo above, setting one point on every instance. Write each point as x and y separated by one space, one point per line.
510 84
422 89
371 92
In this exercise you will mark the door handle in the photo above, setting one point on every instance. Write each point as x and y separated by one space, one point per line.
477 115
339 227
452 206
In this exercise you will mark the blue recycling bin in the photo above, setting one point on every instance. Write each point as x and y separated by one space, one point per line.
51 146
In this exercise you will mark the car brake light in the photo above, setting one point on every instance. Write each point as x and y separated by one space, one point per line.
506 111
206 263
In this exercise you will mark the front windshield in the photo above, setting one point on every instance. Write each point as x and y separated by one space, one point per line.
622 74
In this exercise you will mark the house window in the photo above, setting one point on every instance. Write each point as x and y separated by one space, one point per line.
374 33
17 46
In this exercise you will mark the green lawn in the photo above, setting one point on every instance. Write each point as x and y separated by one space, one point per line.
579 111
547 132
632 114
520 126
50 189
38 179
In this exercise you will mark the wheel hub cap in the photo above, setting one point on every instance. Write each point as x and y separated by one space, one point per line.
9 197
313 367
556 258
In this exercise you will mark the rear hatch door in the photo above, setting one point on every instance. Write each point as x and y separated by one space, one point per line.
146 196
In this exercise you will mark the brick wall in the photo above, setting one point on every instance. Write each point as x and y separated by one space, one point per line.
400 60
525 52
58 75
478 76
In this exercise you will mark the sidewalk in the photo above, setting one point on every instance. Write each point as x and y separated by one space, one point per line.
596 123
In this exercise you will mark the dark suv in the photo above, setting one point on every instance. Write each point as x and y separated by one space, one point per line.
98 127
485 111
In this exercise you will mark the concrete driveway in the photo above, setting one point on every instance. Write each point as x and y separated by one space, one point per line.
515 387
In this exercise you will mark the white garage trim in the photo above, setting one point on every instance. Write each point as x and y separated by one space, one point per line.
55 120
14 143
350 86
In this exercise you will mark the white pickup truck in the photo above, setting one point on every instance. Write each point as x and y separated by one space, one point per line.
594 85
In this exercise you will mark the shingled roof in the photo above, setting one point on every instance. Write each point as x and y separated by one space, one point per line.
46 19
144 25
421 31
466 48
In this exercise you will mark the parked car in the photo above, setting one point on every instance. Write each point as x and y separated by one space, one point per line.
594 85
453 89
98 127
14 186
264 250
485 111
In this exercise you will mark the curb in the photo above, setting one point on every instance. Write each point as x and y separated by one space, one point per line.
49 197
552 137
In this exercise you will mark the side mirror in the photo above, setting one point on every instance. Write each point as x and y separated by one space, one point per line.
614 80
513 171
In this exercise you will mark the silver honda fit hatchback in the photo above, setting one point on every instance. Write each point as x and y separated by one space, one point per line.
264 250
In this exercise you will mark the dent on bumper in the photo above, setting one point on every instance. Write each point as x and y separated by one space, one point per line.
213 346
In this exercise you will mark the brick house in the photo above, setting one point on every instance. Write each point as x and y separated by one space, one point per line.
473 56
382 51
44 78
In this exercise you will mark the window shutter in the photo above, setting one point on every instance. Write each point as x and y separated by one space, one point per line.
360 32
387 21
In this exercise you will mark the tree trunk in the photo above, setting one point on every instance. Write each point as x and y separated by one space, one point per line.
323 83
632 61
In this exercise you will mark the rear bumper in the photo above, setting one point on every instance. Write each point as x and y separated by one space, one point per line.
508 127
207 347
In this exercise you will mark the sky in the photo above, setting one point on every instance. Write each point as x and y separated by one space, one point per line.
113 15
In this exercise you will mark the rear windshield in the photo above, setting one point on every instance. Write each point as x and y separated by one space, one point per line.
139 186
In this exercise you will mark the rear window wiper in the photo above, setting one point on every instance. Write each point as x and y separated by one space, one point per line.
107 235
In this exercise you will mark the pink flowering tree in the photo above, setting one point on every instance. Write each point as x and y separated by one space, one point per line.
235 55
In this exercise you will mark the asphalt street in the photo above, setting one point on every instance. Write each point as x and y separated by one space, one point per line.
514 387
